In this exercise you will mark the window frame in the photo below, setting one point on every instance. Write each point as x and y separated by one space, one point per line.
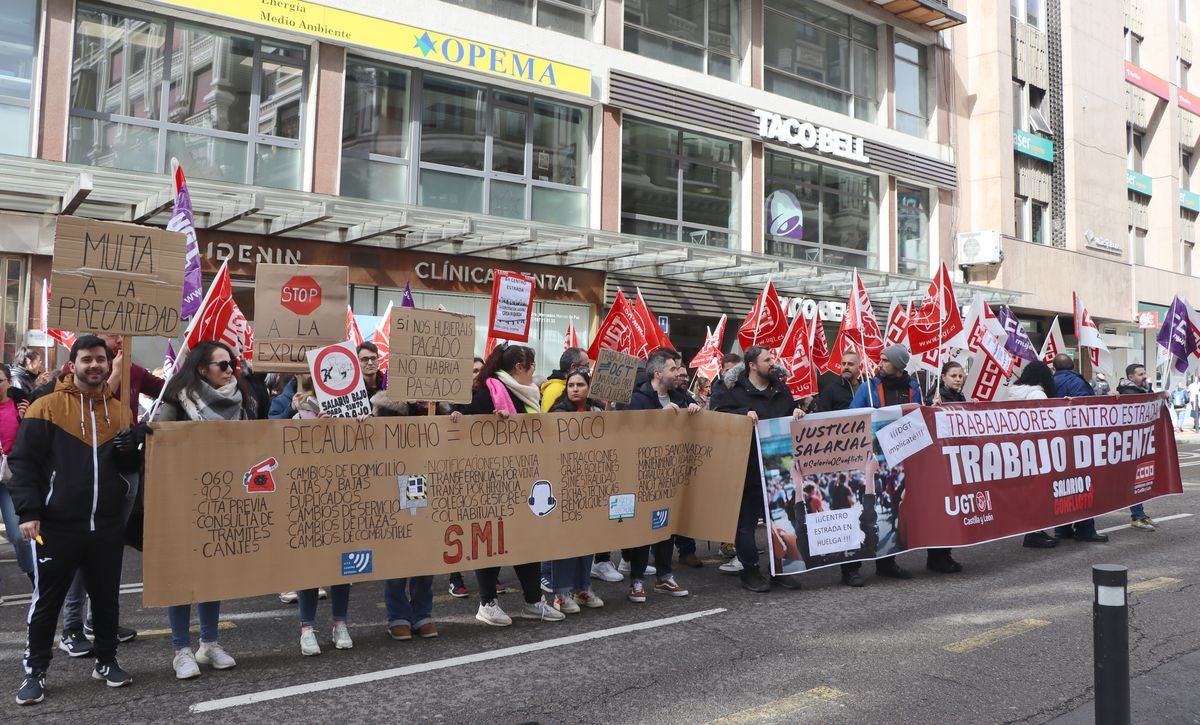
1135 148
587 11
1031 220
1019 10
1187 165
32 83
925 76
706 50
930 197
1133 47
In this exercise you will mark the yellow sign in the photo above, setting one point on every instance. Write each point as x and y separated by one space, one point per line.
345 27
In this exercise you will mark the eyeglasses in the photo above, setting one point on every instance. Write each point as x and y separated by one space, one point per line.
368 359
225 365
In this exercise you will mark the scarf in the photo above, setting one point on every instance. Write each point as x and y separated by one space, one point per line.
224 403
530 395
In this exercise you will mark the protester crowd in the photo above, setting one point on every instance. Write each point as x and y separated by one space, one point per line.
72 501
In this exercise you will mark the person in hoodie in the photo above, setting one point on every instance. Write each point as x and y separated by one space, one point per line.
70 469
752 388
1036 382
1136 382
556 384
1070 384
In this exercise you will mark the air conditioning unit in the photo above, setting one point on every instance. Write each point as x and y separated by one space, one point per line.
976 248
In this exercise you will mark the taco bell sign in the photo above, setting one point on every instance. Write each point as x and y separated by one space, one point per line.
812 137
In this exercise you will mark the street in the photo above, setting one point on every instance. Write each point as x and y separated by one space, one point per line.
1007 641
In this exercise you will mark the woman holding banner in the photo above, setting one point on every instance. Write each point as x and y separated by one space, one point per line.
505 387
1036 382
949 390
206 387
571 579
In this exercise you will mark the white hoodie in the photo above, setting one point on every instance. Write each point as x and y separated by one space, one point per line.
1026 392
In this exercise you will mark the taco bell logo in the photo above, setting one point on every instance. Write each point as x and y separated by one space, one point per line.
785 218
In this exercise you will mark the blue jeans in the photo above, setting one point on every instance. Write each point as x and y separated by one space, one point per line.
1137 511
180 616
571 575
413 607
339 604
12 528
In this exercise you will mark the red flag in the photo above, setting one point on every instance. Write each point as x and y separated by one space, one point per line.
64 338
766 324
817 342
353 334
489 346
708 359
382 337
897 325
651 330
619 331
571 339
938 321
860 324
219 318
796 357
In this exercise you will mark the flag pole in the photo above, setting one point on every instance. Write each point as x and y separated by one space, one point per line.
46 325
942 317
862 341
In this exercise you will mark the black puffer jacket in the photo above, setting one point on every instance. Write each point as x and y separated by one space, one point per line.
741 397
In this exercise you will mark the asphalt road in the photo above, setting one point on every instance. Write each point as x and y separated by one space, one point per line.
1006 641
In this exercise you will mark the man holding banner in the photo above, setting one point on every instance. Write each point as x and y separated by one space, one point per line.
1070 384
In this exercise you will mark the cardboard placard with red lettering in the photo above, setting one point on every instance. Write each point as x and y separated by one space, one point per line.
297 308
512 306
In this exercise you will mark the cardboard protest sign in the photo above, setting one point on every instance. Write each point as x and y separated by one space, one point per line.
431 355
306 503
614 375
512 306
338 381
115 278
297 308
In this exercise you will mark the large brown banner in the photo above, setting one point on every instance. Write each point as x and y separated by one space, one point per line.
287 505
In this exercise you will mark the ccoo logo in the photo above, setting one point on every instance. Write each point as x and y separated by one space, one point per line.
356 562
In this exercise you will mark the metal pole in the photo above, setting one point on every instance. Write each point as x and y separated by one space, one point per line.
1110 642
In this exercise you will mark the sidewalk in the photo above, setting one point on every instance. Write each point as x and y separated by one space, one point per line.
1166 694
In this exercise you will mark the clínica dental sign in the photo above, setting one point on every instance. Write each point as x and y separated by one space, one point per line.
811 137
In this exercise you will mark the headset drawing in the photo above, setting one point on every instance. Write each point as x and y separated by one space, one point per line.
541 498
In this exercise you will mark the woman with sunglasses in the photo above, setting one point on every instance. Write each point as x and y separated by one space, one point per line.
206 387
13 403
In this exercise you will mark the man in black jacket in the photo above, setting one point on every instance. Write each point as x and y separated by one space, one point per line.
837 393
1136 382
751 390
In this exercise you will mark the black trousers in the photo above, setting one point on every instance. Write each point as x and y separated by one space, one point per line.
529 575
639 556
97 554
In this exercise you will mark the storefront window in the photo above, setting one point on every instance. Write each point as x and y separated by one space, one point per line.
912 97
233 108
18 53
702 35
821 213
912 230
820 56
488 151
676 184
14 311
565 16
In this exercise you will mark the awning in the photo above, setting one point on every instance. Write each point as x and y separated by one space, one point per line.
933 14
51 188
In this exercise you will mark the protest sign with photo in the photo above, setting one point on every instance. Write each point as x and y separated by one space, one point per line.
297 308
512 306
430 355
115 278
338 381
305 503
614 376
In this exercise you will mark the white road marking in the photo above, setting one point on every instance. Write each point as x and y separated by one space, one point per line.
319 686
23 600
1156 519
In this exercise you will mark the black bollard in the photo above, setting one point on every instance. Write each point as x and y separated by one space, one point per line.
1110 642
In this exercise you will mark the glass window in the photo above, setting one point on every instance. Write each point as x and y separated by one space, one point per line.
912 94
678 184
823 57
1033 13
1037 222
1185 262
452 123
15 311
821 213
1185 69
18 53
1134 148
701 35
375 123
1133 47
1137 245
565 16
1020 225
1185 169
912 230
232 111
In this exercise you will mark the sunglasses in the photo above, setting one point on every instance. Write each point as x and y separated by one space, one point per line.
225 365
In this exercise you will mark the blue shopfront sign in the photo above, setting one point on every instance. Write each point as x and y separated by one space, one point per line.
1140 183
1189 200
1033 145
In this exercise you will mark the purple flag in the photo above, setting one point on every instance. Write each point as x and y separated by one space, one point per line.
1017 342
407 299
169 360
183 222
1177 335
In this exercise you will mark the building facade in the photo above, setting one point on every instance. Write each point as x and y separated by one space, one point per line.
690 149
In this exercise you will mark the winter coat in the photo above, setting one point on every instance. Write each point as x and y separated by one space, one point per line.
951 396
741 397
21 378
1026 392
552 389
1126 387
645 397
67 471
384 407
1070 384
281 406
878 393
837 394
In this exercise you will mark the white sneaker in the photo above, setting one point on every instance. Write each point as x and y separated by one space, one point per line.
185 664
733 566
213 654
492 614
322 594
605 571
587 598
543 611
650 570
341 636
308 643
566 604
288 597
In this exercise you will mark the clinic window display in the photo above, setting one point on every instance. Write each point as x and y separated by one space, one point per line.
701 35
229 106
821 213
678 184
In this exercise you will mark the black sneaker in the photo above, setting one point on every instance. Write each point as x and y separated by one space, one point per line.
74 643
33 688
112 675
124 634
753 580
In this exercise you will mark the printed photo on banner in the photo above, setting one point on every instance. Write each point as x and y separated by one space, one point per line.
512 306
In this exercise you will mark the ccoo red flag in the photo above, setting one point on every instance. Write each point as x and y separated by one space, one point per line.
620 331
708 359
655 337
219 318
382 337
353 334
818 343
766 324
571 339
938 321
795 356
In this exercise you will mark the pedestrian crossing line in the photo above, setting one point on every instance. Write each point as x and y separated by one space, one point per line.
1151 584
1157 520
311 688
993 636
781 708
148 633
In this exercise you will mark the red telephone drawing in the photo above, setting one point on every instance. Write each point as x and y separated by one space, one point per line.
259 479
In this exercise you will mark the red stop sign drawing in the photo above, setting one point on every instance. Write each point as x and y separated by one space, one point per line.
301 294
